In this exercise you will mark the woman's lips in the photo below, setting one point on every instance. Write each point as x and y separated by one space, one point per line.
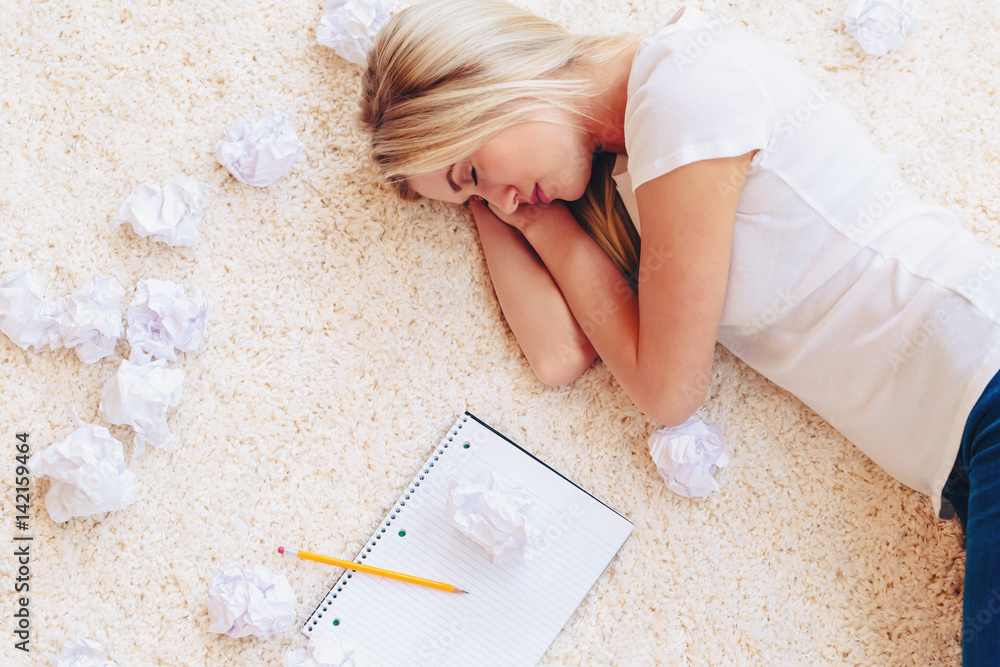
539 195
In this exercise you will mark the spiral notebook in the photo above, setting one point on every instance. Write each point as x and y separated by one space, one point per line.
514 610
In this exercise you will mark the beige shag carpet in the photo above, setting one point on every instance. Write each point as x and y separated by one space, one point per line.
350 330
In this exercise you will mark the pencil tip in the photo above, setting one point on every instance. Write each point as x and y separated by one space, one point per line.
459 590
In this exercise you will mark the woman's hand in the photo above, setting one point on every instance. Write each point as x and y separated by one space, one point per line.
525 215
553 343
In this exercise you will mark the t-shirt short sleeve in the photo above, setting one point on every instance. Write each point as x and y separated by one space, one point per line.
693 95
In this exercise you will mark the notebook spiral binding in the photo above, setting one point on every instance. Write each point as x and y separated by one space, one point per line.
397 510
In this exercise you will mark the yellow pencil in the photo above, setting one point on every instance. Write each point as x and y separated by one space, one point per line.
359 567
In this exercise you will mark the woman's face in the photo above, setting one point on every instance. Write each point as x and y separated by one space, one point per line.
528 163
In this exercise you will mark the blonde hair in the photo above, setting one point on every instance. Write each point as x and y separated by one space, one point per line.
445 76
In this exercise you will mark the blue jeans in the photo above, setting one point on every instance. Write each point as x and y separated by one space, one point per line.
974 490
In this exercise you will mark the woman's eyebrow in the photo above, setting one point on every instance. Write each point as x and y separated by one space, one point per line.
452 183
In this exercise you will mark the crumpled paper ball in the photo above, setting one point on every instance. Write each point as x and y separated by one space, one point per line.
325 649
162 317
349 27
92 320
86 473
259 152
253 602
139 395
494 518
83 653
688 455
880 25
26 317
169 214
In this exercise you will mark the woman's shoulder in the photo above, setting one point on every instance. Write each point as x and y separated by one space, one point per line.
694 42
685 18
698 89
688 20
696 56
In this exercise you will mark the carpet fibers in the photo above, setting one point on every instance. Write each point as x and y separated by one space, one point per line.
350 329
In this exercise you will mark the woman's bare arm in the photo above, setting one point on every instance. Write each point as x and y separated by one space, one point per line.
659 343
552 341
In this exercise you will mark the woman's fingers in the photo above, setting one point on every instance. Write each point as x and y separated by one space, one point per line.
525 214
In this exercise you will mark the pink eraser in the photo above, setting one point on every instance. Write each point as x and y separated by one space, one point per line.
281 550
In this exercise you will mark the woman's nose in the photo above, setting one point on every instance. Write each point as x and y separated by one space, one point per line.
503 197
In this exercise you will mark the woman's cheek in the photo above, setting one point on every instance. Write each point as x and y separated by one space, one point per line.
571 183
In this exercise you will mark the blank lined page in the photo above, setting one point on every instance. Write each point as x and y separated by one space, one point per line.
513 611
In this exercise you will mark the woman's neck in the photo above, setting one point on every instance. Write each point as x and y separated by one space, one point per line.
607 127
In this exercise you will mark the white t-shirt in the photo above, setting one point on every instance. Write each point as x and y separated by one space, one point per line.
877 310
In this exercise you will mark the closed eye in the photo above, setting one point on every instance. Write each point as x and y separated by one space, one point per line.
475 181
